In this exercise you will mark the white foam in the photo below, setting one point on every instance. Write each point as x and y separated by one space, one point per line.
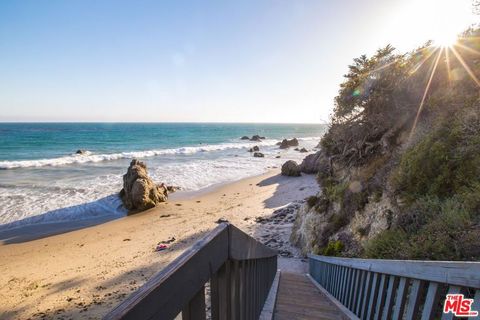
91 157
74 198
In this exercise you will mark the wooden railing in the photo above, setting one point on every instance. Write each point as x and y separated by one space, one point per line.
240 271
395 289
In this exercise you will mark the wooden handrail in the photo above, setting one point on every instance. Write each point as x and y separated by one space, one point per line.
395 289
240 270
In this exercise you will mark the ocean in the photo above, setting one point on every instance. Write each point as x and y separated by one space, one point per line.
43 180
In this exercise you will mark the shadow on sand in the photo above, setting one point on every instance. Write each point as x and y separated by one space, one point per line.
289 189
105 295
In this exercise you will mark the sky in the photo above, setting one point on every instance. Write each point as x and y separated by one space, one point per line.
198 61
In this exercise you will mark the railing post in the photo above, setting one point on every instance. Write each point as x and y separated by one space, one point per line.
195 309
220 292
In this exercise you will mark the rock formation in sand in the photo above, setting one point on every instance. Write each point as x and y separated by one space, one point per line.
288 143
291 169
139 191
312 163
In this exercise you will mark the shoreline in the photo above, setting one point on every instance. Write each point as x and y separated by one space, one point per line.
85 272
29 232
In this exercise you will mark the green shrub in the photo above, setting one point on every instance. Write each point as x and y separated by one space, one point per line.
363 231
312 201
334 191
389 244
334 248
445 163
433 230
339 220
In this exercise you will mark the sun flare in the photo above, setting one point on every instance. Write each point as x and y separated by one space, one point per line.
445 39
450 20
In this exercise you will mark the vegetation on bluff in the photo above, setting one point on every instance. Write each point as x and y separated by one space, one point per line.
405 131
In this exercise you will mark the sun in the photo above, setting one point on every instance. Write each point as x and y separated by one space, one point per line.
449 18
447 38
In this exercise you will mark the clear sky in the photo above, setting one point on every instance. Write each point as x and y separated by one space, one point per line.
231 61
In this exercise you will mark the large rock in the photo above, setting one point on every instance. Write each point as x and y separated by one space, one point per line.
312 163
291 169
139 191
288 143
257 138
255 148
244 138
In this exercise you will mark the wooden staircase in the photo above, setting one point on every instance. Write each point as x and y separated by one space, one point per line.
240 272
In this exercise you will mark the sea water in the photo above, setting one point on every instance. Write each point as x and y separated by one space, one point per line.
44 180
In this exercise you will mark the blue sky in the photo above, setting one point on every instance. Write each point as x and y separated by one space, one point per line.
232 61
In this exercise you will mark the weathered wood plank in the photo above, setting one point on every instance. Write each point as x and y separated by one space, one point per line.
448 272
373 296
220 293
431 301
381 297
298 298
366 295
414 299
451 290
476 301
400 299
195 309
359 291
392 287
244 247
353 294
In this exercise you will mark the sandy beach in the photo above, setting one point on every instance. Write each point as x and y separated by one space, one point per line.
82 274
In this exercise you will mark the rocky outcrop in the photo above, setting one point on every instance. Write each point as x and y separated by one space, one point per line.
253 138
312 229
258 155
257 138
255 148
139 191
303 150
291 169
312 163
285 144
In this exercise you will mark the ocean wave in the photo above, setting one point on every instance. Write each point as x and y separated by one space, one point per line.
92 157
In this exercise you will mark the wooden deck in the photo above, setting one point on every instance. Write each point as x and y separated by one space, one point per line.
299 299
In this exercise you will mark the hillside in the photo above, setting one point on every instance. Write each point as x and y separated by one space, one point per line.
399 167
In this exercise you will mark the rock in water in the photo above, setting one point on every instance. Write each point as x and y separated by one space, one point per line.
256 138
244 138
258 155
291 169
255 148
303 150
288 143
139 191
80 151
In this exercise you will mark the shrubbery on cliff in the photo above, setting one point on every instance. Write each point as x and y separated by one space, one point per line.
424 157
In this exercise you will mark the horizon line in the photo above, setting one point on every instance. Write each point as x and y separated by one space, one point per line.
158 122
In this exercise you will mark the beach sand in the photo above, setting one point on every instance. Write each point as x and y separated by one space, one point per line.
82 274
